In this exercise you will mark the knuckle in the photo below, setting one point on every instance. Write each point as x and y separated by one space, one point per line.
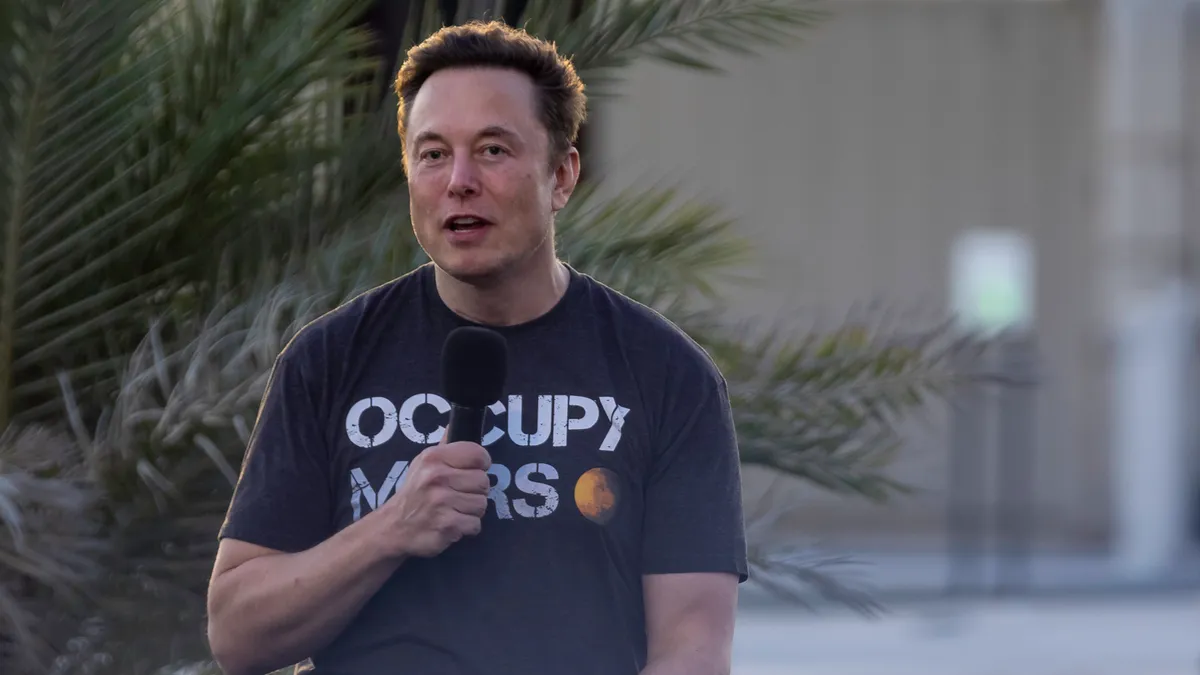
437 474
424 485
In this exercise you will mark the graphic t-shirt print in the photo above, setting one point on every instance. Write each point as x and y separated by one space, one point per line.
527 490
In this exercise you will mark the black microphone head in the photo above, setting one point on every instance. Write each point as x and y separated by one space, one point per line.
474 366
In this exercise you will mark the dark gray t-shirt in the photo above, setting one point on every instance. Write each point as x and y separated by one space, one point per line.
613 456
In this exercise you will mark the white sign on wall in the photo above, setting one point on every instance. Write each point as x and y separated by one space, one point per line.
992 280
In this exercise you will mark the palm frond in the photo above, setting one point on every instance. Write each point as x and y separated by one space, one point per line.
603 36
170 443
53 58
827 407
653 244
195 385
49 545
609 36
157 146
169 451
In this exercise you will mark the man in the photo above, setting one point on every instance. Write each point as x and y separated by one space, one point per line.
597 530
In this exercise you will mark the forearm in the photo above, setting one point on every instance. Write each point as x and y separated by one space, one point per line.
276 610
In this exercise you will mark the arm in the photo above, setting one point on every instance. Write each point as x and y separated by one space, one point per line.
694 548
285 582
268 609
689 623
274 563
272 566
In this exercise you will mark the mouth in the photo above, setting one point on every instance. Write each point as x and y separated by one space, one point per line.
465 223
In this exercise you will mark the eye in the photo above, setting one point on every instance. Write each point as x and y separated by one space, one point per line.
431 155
495 150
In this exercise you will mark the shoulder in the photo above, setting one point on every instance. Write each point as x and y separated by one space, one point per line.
339 329
655 340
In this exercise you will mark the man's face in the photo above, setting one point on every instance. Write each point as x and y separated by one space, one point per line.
482 188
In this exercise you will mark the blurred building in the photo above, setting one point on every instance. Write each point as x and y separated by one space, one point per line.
855 160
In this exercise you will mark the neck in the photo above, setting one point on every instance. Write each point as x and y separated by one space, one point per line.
517 298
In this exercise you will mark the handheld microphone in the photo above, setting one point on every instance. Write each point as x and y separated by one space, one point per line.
474 369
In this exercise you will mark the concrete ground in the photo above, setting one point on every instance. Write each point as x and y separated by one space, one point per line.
1130 635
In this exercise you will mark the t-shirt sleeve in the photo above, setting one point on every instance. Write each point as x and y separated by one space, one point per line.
693 519
282 498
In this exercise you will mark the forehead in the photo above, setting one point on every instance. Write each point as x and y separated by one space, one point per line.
466 100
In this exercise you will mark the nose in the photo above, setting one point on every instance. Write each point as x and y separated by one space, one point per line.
464 178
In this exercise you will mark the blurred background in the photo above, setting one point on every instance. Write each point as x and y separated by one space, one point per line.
944 251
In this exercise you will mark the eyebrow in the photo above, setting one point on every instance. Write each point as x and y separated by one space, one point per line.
496 131
493 131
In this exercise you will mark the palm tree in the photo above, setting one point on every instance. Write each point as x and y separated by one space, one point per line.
186 182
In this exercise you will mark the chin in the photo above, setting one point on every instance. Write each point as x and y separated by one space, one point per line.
474 270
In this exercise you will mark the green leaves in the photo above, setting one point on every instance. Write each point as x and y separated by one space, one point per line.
826 408
60 110
159 146
158 157
604 36
609 36
653 244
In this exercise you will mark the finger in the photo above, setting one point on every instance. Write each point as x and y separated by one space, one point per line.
463 525
466 481
464 455
471 505
468 525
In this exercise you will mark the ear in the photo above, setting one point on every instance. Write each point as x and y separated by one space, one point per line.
566 176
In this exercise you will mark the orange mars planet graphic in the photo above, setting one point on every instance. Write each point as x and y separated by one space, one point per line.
597 494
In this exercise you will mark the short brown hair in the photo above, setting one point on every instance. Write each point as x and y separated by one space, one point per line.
562 103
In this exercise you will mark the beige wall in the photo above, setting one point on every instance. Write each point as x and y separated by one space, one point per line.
853 160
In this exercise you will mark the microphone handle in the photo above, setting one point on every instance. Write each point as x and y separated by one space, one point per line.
466 424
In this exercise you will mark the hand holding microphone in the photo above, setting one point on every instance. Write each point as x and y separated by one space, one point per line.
444 494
